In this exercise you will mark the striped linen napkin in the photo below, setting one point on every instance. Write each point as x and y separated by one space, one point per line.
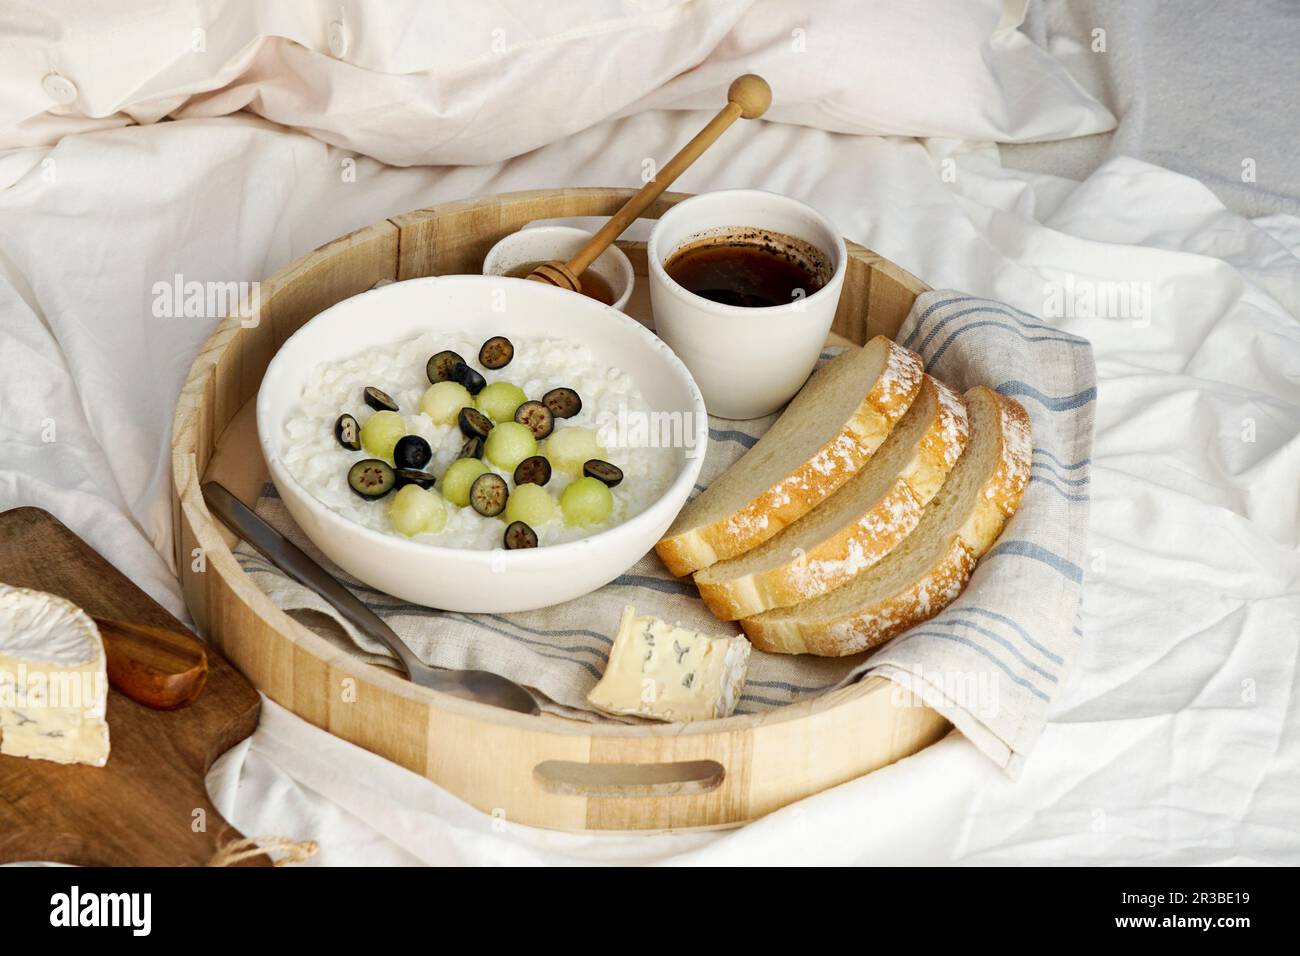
990 663
993 660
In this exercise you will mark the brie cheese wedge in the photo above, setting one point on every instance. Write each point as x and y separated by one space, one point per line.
53 682
664 672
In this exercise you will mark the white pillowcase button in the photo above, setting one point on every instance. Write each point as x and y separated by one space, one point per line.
60 89
339 39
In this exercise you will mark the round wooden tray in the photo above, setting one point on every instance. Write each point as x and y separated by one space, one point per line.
544 771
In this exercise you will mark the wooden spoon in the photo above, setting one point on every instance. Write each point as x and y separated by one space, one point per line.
158 667
749 96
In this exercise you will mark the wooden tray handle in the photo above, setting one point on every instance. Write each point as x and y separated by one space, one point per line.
573 778
164 668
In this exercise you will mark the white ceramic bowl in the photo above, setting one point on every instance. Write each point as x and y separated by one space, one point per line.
548 243
459 579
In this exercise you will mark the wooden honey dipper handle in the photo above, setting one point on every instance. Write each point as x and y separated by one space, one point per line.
748 96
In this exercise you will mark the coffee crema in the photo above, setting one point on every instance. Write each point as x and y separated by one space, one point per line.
748 267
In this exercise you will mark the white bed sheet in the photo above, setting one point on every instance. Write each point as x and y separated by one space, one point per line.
1175 740
1193 83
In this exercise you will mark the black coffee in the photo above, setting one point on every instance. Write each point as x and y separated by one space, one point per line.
760 270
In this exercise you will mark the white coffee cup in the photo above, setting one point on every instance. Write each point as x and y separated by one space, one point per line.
748 362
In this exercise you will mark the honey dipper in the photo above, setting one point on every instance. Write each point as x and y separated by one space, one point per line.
748 96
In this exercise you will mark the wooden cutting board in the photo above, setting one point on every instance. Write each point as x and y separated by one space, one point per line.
149 805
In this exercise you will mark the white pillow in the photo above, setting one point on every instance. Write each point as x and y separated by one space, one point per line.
957 69
407 84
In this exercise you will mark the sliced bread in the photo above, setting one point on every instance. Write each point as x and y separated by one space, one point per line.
853 528
923 574
827 432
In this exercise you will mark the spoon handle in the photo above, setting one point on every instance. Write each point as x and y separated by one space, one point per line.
749 96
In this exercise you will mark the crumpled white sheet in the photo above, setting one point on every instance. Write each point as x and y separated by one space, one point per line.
1222 125
407 83
1176 739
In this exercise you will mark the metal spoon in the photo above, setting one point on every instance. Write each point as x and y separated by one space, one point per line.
481 686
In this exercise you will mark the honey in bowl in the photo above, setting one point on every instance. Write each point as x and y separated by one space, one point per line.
750 268
593 286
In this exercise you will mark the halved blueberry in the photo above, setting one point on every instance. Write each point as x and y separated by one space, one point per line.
473 423
603 471
488 494
414 476
347 432
371 478
563 402
378 399
537 418
519 535
438 368
496 352
535 470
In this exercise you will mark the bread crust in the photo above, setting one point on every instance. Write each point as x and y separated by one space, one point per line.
858 545
869 627
863 628
811 481
1008 484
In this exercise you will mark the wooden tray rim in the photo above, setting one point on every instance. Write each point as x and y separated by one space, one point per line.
863 697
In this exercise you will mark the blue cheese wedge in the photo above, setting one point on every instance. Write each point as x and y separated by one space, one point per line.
664 672
53 682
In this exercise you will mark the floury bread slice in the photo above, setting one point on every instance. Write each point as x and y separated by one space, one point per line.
827 432
855 527
923 574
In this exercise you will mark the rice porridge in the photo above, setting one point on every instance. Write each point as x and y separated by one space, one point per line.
317 458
